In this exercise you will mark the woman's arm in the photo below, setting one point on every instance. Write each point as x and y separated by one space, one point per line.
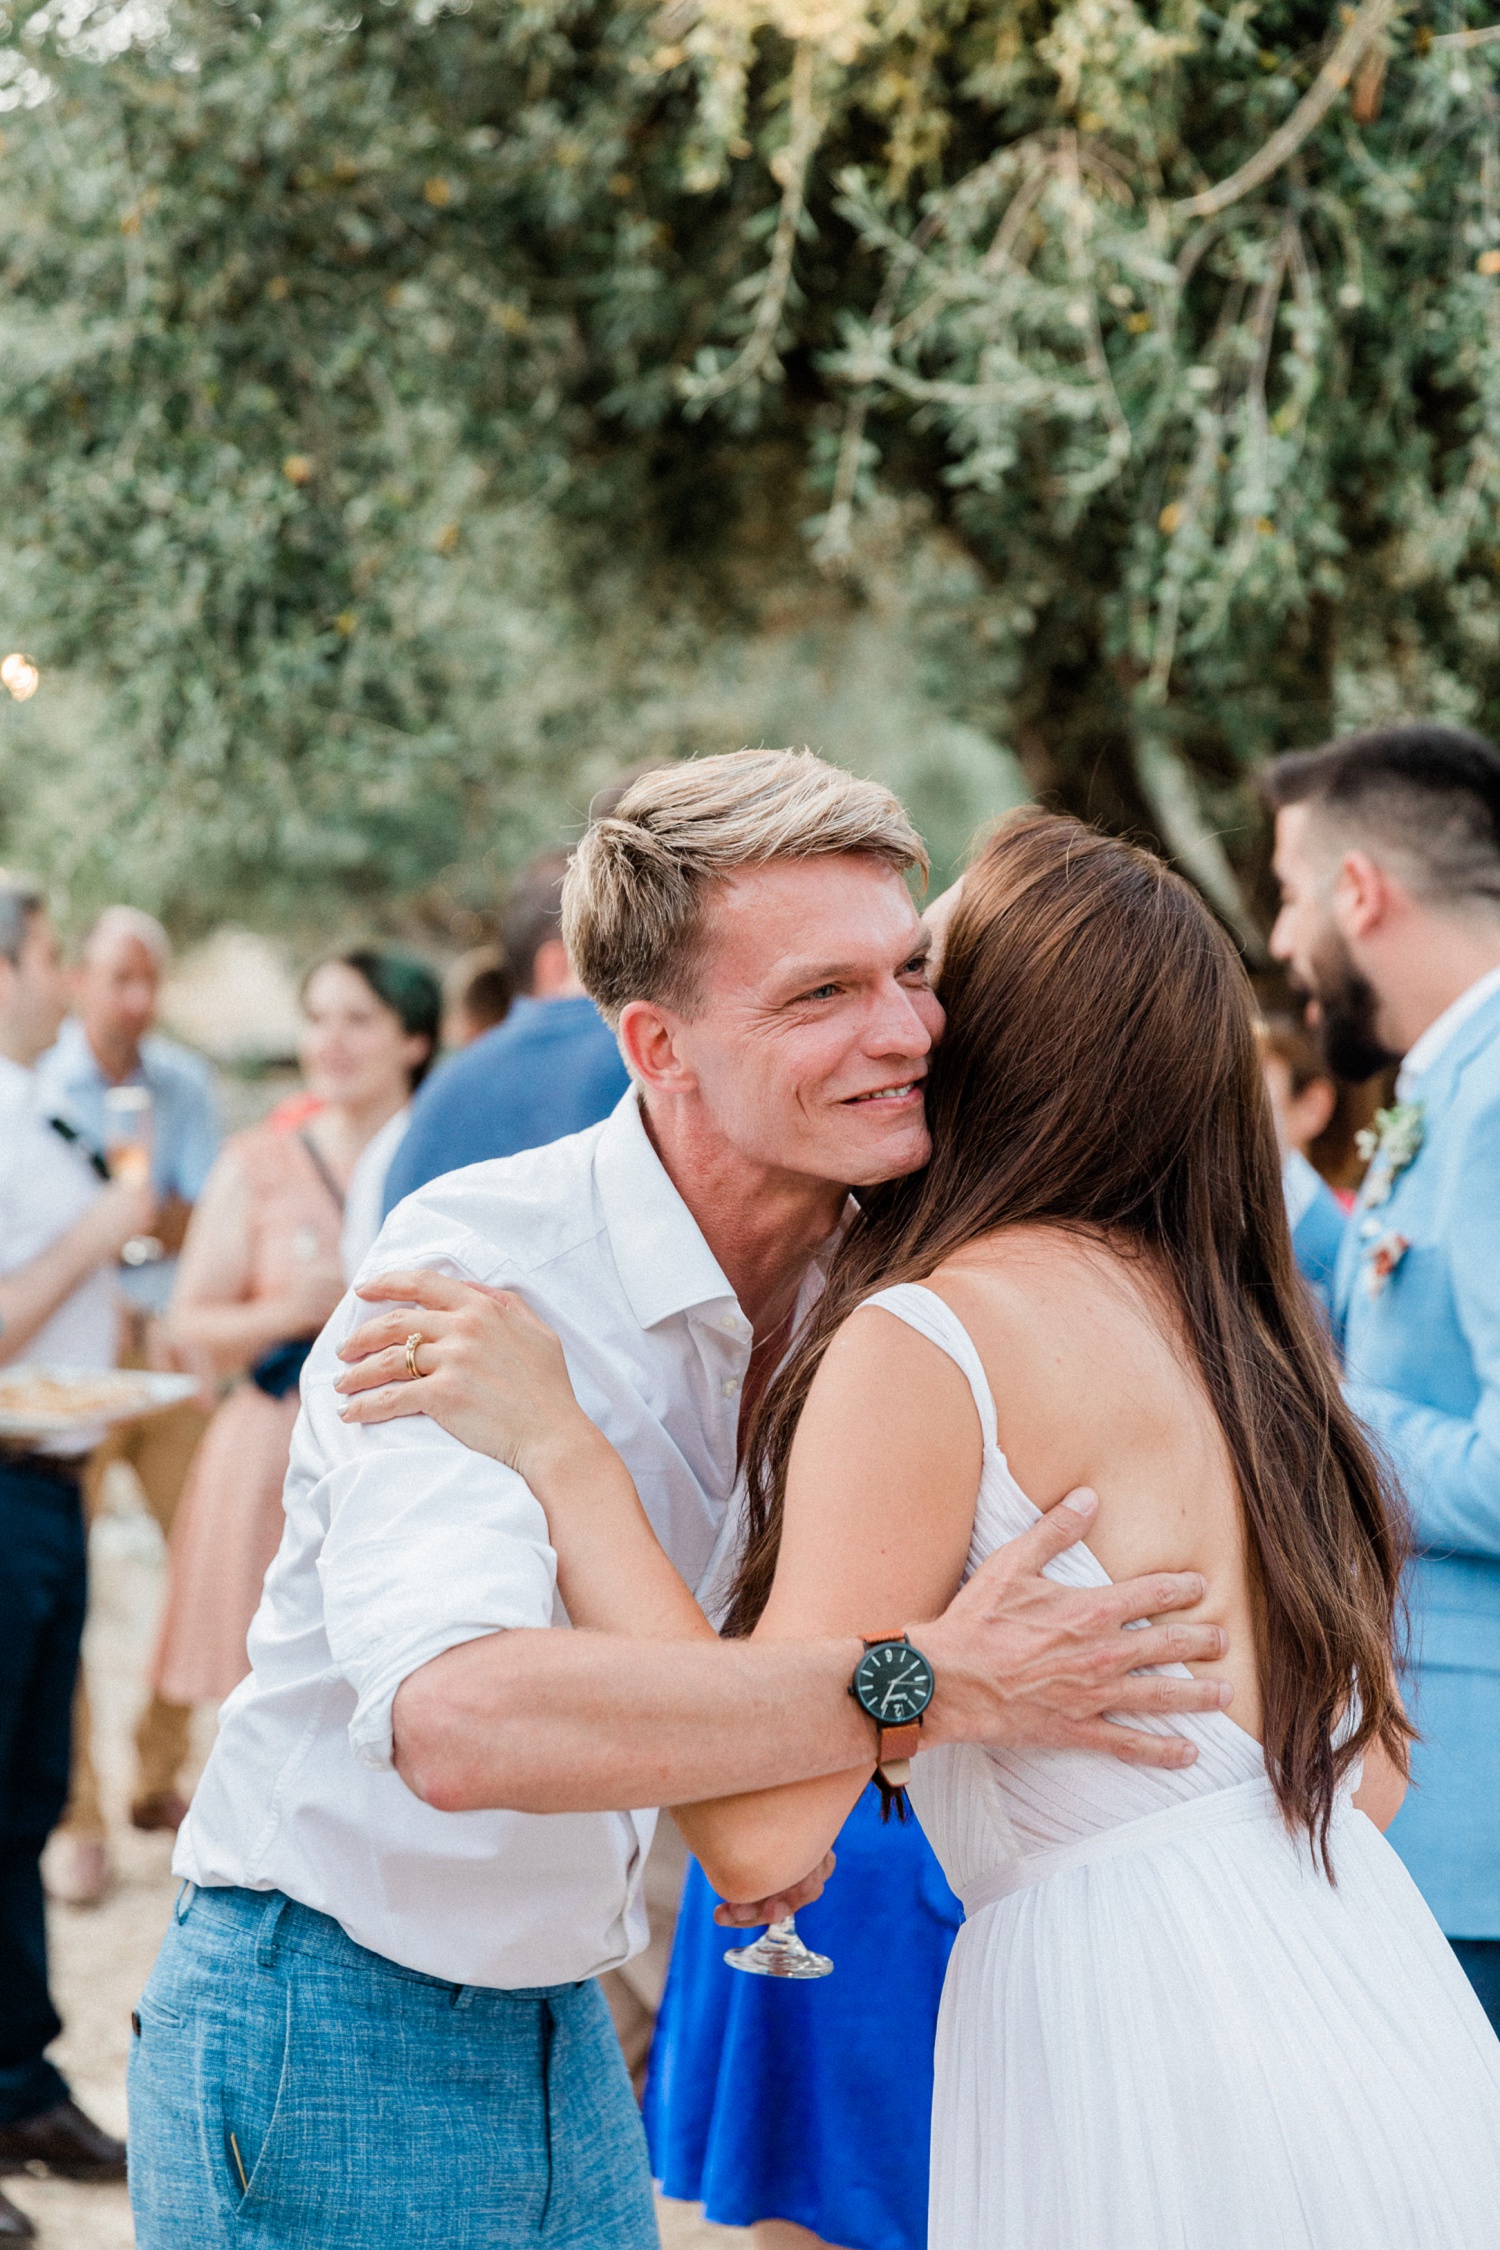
879 1512
1382 1787
497 1380
211 1318
880 1504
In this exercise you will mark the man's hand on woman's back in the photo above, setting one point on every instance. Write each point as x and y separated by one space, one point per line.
1028 1663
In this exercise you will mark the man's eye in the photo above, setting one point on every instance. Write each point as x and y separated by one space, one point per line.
821 992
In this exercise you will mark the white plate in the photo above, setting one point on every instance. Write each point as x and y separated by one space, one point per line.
96 1398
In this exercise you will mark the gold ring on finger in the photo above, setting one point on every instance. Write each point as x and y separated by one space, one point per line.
412 1343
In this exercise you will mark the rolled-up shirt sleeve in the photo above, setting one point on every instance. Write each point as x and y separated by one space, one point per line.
427 1544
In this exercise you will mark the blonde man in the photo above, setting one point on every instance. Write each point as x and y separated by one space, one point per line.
376 2016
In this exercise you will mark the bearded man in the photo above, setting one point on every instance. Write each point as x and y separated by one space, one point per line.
1388 856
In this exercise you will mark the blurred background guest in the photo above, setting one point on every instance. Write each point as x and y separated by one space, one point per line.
110 1040
413 995
477 993
62 1225
1388 857
551 1068
261 1271
1304 1095
761 2103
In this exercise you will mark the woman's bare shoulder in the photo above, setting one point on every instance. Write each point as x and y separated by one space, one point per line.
873 1344
883 1383
1011 1274
889 1439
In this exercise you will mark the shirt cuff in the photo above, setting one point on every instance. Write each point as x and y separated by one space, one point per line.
371 1736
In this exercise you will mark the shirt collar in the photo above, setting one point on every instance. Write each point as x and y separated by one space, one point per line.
664 1264
1439 1035
81 1066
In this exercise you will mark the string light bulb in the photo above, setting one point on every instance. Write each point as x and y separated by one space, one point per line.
20 675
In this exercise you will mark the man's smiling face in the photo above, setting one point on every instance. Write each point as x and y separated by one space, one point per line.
814 1020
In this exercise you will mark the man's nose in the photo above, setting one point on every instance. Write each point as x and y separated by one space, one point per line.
901 1026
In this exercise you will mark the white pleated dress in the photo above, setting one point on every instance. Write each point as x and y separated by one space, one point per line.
1162 2028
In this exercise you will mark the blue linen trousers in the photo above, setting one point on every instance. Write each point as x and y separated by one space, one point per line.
290 2090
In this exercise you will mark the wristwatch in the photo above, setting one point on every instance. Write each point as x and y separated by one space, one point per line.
893 1684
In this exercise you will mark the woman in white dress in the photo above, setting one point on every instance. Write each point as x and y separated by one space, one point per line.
1201 2009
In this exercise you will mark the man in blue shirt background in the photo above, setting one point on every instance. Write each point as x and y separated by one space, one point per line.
551 1068
110 1040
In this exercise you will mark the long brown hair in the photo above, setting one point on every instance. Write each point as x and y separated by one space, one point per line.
1100 1073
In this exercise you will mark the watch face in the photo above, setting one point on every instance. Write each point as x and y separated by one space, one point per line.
893 1682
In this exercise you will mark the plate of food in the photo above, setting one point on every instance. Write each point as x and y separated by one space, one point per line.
49 1402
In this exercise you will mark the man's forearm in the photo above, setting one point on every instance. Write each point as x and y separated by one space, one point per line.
542 1721
31 1294
546 1721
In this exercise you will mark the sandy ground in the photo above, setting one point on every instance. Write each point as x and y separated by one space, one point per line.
101 1956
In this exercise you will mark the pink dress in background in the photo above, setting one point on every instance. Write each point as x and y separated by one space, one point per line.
229 1524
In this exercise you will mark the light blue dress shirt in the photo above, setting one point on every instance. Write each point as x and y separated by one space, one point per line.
1317 1223
184 1126
1416 1300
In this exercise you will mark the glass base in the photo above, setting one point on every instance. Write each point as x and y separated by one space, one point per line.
780 1953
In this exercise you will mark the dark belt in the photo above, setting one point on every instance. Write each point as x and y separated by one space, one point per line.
57 1468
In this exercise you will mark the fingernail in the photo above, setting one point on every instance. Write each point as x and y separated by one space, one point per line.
1226 1695
1082 1503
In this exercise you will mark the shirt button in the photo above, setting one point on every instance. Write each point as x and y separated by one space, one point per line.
731 1386
729 1320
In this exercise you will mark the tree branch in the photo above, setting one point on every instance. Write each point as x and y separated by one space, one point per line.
791 169
1359 34
1484 37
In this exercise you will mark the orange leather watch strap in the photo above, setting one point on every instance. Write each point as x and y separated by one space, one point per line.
898 1742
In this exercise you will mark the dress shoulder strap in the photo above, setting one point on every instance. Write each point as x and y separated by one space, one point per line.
934 1318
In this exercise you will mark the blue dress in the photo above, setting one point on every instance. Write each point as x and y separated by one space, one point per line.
810 2101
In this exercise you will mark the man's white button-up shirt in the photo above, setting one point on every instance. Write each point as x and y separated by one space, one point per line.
401 1543
46 1185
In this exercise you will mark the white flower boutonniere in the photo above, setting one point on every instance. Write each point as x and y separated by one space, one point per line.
1388 1147
1383 1261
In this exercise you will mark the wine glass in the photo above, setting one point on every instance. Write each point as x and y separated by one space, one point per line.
127 1133
127 1148
780 1953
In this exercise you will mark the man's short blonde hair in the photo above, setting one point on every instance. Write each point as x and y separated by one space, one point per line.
633 898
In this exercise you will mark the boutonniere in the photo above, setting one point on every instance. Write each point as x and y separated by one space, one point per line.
1383 1261
1388 1147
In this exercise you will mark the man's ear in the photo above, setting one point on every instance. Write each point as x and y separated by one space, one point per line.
1364 896
651 1042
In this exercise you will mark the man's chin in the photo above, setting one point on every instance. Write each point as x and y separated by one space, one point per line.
902 1153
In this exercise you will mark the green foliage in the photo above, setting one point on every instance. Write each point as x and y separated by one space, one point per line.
409 419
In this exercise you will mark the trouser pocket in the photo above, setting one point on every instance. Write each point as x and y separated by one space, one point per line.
253 2067
207 2069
